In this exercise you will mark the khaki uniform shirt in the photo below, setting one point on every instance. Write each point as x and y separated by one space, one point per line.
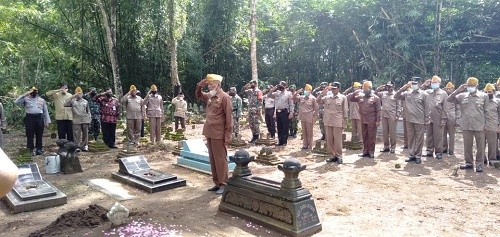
180 107
133 106
369 107
438 100
417 104
453 112
472 108
154 106
492 115
336 110
62 113
390 106
354 110
308 110
219 118
81 110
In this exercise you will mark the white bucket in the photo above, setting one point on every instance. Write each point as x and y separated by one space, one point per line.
52 164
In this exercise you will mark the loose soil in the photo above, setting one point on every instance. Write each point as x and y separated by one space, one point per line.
362 197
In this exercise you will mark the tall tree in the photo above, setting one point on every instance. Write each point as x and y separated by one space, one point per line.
177 18
253 39
109 18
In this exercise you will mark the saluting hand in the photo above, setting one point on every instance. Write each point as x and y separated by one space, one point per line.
462 87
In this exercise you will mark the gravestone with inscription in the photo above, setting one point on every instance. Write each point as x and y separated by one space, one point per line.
194 155
286 207
31 192
135 171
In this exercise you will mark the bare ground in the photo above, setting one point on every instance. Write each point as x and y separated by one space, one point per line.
362 197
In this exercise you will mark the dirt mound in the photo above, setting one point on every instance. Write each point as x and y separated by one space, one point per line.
66 223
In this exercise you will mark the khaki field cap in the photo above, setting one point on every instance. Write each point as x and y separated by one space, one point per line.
450 85
489 87
133 88
472 81
308 87
214 77
78 90
154 88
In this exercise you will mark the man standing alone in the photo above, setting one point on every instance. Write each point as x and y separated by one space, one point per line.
217 128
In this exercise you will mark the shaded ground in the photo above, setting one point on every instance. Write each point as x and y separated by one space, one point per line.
362 197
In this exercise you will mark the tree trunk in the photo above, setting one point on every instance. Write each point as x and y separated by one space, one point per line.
253 40
110 27
437 37
172 46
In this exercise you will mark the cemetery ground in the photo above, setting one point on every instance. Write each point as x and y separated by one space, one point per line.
362 197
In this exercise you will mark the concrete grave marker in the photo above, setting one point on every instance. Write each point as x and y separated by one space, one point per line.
31 192
194 155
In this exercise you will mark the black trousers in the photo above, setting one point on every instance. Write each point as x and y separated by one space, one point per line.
142 128
95 128
270 121
34 125
180 120
283 124
108 133
65 130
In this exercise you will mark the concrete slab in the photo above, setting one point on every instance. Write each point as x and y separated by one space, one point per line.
111 188
194 156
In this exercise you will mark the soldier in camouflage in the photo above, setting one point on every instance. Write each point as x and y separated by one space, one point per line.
95 112
237 107
254 95
294 123
315 93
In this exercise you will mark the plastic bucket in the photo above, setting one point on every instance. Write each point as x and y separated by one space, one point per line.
52 164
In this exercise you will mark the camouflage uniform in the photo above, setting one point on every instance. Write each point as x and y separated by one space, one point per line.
254 109
315 93
237 106
95 112
294 123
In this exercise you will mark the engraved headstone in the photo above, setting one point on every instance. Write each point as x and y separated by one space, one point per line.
31 192
136 172
194 155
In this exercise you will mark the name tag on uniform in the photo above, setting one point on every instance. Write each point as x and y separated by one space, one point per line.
114 108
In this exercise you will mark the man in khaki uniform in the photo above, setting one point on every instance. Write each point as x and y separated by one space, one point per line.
180 112
81 118
473 104
369 109
154 111
133 107
439 106
308 112
450 127
391 110
492 125
336 112
354 114
64 115
417 102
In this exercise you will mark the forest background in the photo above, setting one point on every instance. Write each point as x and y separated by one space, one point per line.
116 43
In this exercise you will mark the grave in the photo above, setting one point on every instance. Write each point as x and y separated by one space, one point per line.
194 155
70 163
286 207
267 157
265 140
320 148
237 141
135 171
128 151
177 149
31 192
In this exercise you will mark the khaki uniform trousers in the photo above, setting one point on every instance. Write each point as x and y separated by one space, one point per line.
217 154
155 129
434 138
134 130
369 138
469 136
415 138
356 133
307 134
405 133
449 135
334 140
492 141
389 132
81 132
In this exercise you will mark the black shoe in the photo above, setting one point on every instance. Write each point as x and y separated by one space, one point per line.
479 168
332 159
445 150
214 188
404 147
385 150
304 148
272 136
371 156
466 166
39 152
418 160
254 138
439 156
364 155
429 154
392 151
339 161
450 153
410 159
113 147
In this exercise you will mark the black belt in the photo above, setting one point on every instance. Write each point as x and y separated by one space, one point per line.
281 110
34 115
270 108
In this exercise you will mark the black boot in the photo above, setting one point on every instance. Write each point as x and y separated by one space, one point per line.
322 136
272 136
254 138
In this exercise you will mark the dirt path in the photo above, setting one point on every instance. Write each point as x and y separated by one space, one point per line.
362 197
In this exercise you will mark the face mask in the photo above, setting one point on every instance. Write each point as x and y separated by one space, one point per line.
434 85
471 89
414 87
79 96
367 91
306 93
181 97
33 94
329 93
212 92
153 92
93 94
